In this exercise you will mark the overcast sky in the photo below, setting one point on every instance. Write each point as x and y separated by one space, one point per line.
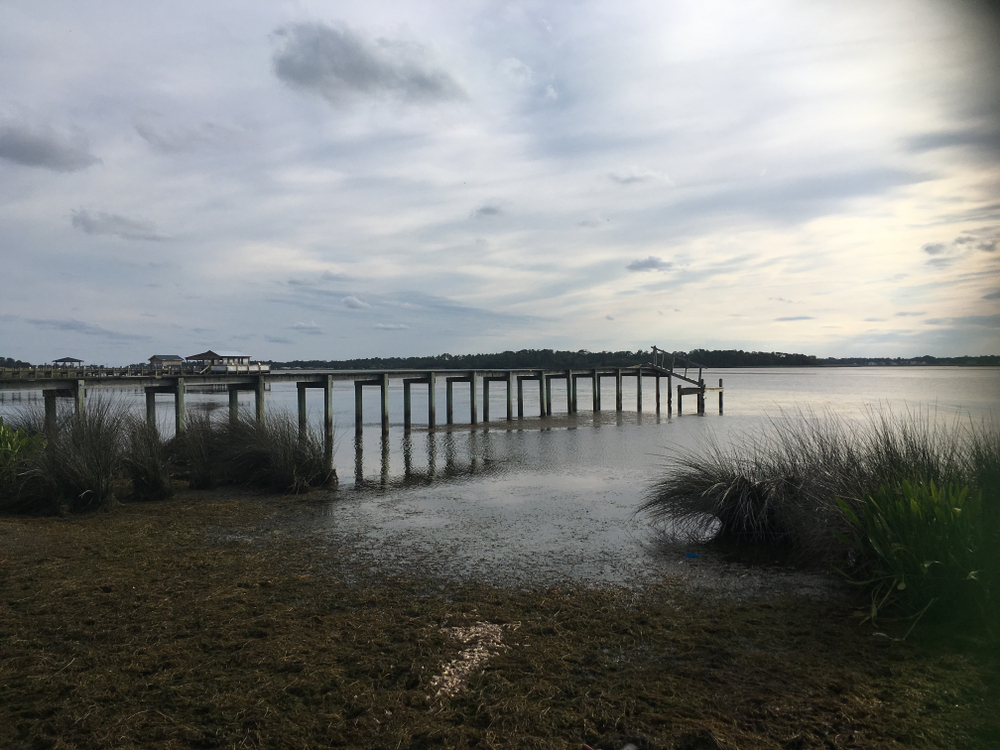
322 180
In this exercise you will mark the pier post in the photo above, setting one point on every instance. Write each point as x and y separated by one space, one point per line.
569 393
680 401
618 389
510 396
638 390
301 393
657 393
597 391
258 397
548 395
150 407
520 398
406 405
50 411
541 393
234 404
720 395
486 400
80 398
358 408
328 425
384 385
431 401
450 402
473 401
701 396
670 393
179 406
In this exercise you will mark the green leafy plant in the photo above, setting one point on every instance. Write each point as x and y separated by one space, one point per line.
17 447
917 545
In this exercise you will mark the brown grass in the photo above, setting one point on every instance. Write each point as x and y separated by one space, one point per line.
211 621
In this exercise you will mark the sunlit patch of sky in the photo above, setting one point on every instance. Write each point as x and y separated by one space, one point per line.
331 180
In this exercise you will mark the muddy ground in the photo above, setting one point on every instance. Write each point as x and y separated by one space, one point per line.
213 620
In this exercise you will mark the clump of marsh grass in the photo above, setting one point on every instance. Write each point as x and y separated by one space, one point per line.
18 448
145 460
902 504
274 453
779 488
271 454
82 463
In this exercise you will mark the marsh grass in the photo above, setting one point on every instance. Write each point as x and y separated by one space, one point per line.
827 490
145 460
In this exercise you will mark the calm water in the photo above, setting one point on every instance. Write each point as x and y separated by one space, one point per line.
543 500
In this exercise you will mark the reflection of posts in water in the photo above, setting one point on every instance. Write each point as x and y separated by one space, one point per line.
384 478
431 454
449 453
407 455
359 460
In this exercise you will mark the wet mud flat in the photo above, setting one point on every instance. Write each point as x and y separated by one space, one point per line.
237 620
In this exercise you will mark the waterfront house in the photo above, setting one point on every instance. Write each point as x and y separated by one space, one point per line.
159 361
225 361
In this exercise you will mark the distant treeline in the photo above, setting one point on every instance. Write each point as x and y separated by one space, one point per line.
8 362
583 359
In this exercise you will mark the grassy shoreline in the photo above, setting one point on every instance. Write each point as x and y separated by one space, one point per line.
201 621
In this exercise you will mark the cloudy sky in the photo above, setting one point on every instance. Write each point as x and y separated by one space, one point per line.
329 180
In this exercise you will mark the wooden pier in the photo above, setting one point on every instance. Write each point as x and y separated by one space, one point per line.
75 384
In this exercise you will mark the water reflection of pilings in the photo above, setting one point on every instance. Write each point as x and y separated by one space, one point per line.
466 455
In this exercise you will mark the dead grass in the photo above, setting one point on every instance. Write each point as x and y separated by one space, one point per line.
202 623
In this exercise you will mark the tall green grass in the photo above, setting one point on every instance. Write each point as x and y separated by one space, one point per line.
865 494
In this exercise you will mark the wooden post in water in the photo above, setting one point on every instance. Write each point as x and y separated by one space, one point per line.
474 406
358 408
384 383
259 398
234 404
680 397
431 401
638 390
328 424
150 407
80 398
520 398
541 394
510 396
701 395
406 404
449 403
720 395
569 393
50 411
548 395
597 391
618 389
303 423
657 393
179 407
670 393
486 400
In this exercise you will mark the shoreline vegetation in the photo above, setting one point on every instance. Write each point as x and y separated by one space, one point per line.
904 507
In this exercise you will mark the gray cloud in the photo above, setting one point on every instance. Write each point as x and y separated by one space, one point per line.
796 317
989 321
100 222
486 211
652 263
169 139
992 295
355 304
935 248
633 175
337 62
43 147
986 141
311 328
88 329
905 314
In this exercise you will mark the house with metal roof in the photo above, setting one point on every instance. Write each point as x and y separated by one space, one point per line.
225 361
